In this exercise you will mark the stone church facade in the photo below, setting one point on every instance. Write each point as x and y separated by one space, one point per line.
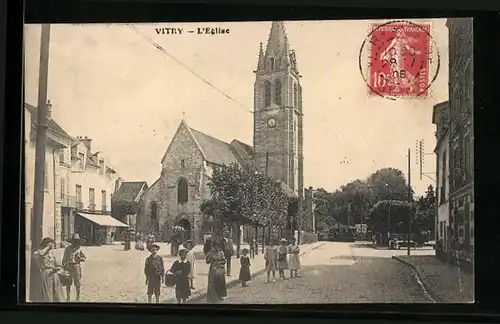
175 198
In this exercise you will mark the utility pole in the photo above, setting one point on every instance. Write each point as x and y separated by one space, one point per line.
409 201
41 139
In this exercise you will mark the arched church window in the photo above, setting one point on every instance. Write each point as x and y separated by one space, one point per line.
182 192
271 63
295 96
267 94
277 92
154 216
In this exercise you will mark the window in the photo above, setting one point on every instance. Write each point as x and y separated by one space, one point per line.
63 188
442 197
277 92
295 97
61 155
467 157
79 196
101 166
441 229
267 94
182 192
91 198
154 216
456 172
271 63
81 161
183 164
103 199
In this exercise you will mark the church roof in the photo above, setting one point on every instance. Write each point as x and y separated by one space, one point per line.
215 150
129 190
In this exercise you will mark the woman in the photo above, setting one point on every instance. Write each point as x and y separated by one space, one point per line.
282 258
293 259
271 257
45 285
216 289
191 258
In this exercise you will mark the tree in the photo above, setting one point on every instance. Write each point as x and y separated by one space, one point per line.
426 211
389 184
391 216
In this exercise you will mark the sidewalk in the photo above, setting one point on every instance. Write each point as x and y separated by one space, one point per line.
201 279
444 283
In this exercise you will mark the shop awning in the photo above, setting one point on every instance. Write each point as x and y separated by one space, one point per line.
103 220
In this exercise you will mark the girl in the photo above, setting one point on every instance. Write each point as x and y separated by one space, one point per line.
294 259
192 261
271 257
245 268
282 258
181 268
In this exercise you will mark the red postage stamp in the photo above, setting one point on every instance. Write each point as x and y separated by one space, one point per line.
399 59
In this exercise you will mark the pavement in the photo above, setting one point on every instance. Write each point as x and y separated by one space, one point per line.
445 283
337 272
113 275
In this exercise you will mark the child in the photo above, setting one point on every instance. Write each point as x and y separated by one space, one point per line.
154 271
191 258
282 258
294 258
181 268
271 257
245 268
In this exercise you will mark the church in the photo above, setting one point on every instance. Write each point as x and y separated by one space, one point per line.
175 198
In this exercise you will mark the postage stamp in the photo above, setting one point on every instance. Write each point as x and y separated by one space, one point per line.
402 61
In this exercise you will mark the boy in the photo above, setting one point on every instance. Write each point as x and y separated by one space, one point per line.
154 272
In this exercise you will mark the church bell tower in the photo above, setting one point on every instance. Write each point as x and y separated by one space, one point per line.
278 135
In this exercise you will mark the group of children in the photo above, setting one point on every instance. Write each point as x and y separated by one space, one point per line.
281 258
180 275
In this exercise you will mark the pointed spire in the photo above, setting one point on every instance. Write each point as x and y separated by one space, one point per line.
261 62
277 44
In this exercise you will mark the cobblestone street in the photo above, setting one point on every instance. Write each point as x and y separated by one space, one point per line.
339 273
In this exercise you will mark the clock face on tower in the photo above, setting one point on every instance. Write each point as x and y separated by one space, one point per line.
271 122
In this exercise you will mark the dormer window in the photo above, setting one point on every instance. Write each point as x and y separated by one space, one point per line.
81 162
101 166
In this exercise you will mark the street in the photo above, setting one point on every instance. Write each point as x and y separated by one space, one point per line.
332 272
339 273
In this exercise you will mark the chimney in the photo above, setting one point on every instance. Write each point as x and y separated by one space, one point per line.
87 141
49 110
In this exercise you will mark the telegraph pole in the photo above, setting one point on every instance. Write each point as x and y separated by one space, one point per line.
409 201
41 139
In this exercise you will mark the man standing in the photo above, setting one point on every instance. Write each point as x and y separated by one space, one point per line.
72 259
228 252
154 272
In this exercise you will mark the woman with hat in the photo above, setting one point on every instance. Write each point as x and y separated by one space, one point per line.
72 259
245 275
181 269
191 258
216 288
45 285
282 258
293 259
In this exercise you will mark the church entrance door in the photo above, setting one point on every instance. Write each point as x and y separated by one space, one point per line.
186 224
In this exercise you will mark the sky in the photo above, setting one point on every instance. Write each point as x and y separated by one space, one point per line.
107 82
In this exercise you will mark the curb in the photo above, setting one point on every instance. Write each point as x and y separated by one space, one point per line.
426 287
202 293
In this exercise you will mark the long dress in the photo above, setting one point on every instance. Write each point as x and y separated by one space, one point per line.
192 262
245 269
45 285
216 288
181 270
294 259
282 257
271 257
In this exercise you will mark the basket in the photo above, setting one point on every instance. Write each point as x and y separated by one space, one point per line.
65 278
170 279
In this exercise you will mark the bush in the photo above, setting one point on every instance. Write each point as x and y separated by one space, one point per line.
308 238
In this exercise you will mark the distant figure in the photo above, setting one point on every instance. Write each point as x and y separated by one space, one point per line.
72 259
216 287
271 257
154 272
191 258
149 241
45 285
228 252
294 258
245 275
282 258
181 269
207 244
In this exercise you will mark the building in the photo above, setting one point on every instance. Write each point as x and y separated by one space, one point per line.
461 85
57 139
441 118
79 185
175 198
